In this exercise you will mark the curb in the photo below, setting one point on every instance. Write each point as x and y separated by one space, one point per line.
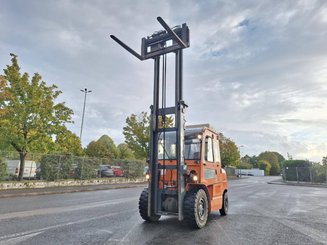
297 184
62 190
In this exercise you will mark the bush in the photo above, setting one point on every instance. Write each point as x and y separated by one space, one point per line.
3 169
55 167
297 170
132 168
245 166
265 166
87 167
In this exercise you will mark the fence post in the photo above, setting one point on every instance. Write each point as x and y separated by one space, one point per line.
59 165
297 174
310 175
82 165
29 176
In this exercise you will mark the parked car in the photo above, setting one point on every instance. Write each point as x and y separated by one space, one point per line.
13 167
105 171
118 172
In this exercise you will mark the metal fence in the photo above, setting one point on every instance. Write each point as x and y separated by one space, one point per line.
314 174
52 167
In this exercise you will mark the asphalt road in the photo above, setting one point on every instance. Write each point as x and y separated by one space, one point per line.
259 214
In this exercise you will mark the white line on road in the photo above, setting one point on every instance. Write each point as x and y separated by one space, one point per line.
23 214
29 233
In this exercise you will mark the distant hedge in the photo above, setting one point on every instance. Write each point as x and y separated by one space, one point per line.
55 167
3 169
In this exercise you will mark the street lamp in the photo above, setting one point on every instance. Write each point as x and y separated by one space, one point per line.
85 91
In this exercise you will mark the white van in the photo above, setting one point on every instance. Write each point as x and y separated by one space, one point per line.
13 167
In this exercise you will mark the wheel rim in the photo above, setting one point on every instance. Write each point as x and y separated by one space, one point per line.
201 208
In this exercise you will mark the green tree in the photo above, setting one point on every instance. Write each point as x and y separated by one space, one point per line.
104 147
246 159
3 169
245 165
4 145
137 134
169 122
280 158
265 166
124 152
230 155
28 111
69 143
324 160
254 161
273 161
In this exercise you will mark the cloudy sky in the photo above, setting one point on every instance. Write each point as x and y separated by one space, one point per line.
255 70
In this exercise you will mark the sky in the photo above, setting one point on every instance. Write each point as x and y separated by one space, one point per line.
255 70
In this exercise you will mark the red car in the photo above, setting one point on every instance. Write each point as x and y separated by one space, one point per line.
118 172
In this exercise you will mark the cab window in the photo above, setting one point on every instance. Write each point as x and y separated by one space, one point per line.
216 151
209 151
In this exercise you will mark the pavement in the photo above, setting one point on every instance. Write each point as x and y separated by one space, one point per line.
65 189
259 213
295 183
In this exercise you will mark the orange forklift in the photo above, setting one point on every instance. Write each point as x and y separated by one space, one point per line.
185 175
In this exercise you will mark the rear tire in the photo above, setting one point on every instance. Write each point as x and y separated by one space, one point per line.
224 210
196 208
143 207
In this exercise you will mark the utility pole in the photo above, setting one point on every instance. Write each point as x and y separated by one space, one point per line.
85 91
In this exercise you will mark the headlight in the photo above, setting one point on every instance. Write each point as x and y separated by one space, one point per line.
195 178
147 176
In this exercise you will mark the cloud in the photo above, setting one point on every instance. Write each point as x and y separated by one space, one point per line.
256 70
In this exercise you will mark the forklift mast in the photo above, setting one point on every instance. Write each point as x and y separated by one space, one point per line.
156 46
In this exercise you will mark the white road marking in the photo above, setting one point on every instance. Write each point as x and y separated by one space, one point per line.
17 240
46 211
21 234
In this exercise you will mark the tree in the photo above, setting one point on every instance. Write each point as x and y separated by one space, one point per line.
230 155
104 147
246 159
245 165
265 166
254 161
3 169
324 160
124 152
280 158
69 143
28 111
272 159
137 134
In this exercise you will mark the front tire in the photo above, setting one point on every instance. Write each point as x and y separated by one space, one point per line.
196 208
143 207
224 210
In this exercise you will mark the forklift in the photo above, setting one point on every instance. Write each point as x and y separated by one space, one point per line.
185 175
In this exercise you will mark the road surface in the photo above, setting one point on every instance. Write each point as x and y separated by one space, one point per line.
260 213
